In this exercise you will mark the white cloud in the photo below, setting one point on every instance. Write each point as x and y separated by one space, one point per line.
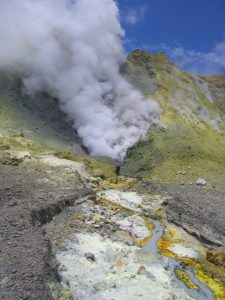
194 61
135 15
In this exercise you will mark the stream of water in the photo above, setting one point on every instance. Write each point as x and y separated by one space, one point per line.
204 292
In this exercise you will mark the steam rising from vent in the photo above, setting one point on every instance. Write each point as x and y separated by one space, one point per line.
72 49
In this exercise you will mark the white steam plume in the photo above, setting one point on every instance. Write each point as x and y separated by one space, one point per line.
72 49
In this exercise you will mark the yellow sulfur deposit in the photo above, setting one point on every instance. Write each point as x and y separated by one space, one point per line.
183 276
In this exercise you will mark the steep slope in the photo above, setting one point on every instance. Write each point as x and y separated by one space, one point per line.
37 125
35 118
189 142
216 84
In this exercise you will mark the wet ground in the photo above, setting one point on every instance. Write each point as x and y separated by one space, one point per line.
113 241
110 248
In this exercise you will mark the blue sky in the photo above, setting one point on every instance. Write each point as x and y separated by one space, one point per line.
190 32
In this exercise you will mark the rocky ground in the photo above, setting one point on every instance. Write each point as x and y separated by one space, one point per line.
30 195
197 209
112 247
51 208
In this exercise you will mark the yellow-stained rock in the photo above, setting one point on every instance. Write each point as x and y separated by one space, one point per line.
65 295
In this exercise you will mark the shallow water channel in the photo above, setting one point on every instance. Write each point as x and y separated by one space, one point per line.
204 292
121 270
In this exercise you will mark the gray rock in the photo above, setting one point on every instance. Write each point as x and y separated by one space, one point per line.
90 256
112 285
150 275
100 286
14 270
62 268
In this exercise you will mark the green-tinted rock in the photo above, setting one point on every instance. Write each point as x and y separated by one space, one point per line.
189 143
